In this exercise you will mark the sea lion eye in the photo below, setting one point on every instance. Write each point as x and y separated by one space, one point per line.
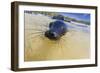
50 24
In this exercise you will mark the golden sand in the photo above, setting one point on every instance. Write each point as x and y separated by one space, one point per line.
74 45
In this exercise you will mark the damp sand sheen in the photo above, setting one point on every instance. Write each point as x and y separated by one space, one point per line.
75 44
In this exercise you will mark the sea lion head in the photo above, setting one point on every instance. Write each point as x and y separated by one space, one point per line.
56 30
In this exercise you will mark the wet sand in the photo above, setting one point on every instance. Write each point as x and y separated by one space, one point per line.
74 45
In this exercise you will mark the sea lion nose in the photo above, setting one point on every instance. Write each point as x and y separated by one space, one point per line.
51 35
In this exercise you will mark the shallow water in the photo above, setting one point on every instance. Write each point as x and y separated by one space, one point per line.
74 45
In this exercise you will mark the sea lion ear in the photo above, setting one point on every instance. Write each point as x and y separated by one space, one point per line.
51 24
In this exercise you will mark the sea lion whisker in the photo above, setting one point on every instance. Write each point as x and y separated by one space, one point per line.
39 25
67 42
38 35
35 30
35 36
60 45
62 51
31 41
29 34
44 26
63 38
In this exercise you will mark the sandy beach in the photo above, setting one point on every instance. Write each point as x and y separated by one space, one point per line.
75 44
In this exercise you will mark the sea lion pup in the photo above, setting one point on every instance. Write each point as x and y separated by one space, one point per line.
50 39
